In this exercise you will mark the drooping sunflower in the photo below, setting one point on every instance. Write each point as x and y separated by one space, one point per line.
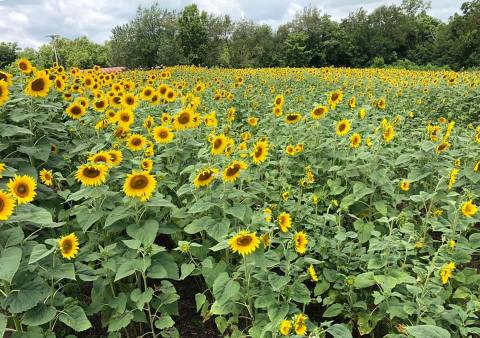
7 204
162 134
101 156
232 172
301 241
183 120
147 164
68 246
244 242
312 273
23 188
284 221
91 174
116 157
140 185
355 140
260 151
442 147
476 167
319 112
75 111
2 169
343 127
136 142
24 65
46 176
292 118
469 209
285 327
300 324
204 177
39 86
388 133
4 92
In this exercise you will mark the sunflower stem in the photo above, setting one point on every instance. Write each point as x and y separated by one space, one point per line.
148 307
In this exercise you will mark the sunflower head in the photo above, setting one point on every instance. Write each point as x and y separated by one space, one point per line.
46 176
244 243
39 86
23 188
343 127
91 174
284 221
260 151
300 241
162 134
68 246
204 177
140 185
7 204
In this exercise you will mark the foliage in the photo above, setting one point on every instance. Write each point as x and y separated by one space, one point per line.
8 53
383 239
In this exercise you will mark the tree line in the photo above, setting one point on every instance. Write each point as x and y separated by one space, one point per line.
400 35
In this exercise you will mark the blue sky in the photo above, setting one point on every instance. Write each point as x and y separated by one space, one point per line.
29 21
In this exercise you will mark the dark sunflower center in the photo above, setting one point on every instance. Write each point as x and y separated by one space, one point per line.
136 142
117 99
163 90
138 182
244 240
2 204
163 134
91 172
130 100
292 117
100 158
113 157
67 245
22 190
23 66
148 92
205 175
259 152
278 101
170 95
99 104
334 96
342 127
232 170
184 118
76 110
38 85
218 143
3 77
125 117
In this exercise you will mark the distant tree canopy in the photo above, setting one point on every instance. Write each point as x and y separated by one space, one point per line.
402 34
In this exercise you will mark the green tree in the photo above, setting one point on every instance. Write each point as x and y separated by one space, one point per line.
8 53
193 34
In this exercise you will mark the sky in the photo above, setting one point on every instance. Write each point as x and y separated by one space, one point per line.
28 22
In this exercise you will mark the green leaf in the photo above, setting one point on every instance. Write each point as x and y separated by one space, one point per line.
32 214
364 280
3 324
333 310
39 251
7 130
74 317
199 224
26 294
39 315
11 237
219 230
140 298
118 322
186 269
238 211
9 262
300 293
200 299
117 214
427 331
222 323
164 322
339 331
66 270
163 266
157 201
225 288
200 206
87 217
126 269
145 233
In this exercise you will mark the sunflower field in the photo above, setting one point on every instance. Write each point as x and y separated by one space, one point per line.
292 202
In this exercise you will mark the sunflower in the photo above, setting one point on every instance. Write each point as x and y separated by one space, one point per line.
147 93
129 101
285 327
116 157
219 143
204 177
162 134
381 103
388 133
277 111
101 156
301 241
183 120
2 169
23 188
136 142
39 86
469 209
125 118
260 151
148 122
232 172
244 243
284 221
453 177
335 98
7 203
4 92
300 325
91 174
75 111
279 100
140 185
352 102
68 246
292 118
100 105
405 185
24 65
290 150
46 176
147 164
442 147
362 113
312 273
476 167
319 112
343 127
170 95
355 140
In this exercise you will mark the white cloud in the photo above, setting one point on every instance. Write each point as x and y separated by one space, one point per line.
29 21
